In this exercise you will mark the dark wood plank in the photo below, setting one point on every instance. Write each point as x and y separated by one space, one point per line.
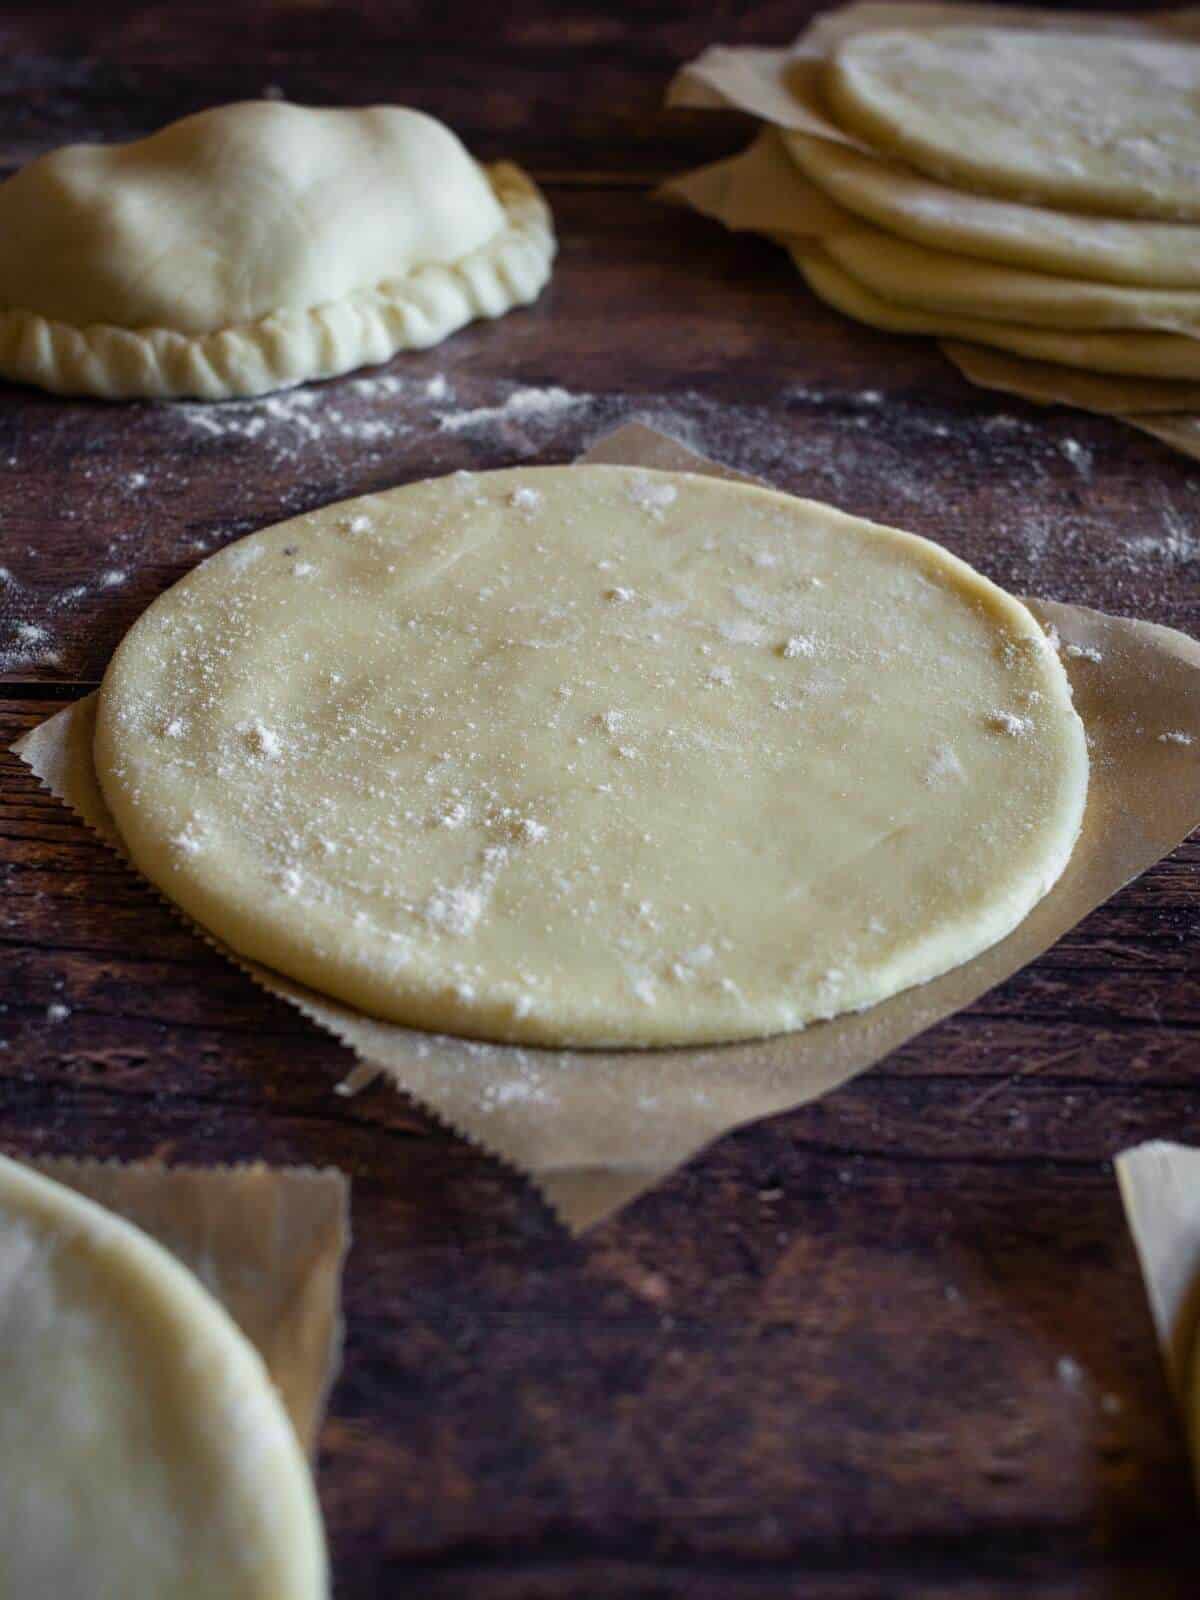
579 91
571 89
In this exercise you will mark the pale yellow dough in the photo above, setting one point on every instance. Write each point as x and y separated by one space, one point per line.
934 280
1047 384
1105 124
904 202
257 245
592 755
1141 355
143 1450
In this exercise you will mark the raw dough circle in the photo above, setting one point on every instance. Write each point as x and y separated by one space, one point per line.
592 755
143 1449
1109 124
1050 385
257 245
1141 355
934 280
1157 254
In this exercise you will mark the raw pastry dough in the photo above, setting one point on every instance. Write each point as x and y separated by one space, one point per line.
1050 385
933 280
254 246
593 755
143 1450
1097 124
1157 254
1143 355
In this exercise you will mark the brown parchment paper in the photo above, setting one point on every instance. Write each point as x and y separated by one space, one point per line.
762 190
267 1242
1160 1189
595 1128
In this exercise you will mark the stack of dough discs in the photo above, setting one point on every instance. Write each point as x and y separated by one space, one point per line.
594 756
1033 193
143 1450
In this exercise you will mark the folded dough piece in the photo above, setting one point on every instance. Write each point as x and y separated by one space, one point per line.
1106 124
254 246
143 1450
935 280
905 202
591 755
1143 355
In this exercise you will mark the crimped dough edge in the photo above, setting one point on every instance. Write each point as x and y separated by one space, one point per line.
287 348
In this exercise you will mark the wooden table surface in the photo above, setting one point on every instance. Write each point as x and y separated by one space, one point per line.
892 1345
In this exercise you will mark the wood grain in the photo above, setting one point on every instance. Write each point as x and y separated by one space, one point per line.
893 1345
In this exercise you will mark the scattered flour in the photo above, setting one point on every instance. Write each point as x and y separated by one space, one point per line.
1083 652
260 740
455 911
1008 722
286 423
1069 1373
30 645
943 765
57 1012
189 841
652 496
521 406
796 647
1177 543
644 990
1078 455
1175 736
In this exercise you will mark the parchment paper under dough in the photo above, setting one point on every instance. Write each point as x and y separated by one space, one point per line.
595 1129
781 88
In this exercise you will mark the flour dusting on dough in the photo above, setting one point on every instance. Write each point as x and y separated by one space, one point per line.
453 784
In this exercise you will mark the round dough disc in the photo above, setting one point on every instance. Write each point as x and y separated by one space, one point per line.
1141 355
1050 385
934 280
592 755
1157 254
143 1450
1107 123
